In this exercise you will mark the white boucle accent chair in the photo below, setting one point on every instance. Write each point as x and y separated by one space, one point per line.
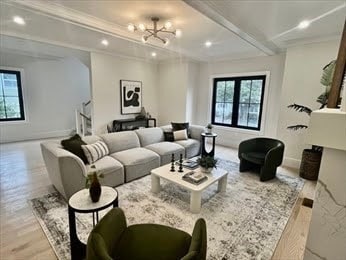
133 154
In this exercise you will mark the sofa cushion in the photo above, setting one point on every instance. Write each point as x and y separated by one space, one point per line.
169 137
149 136
90 139
165 150
95 151
192 147
137 162
74 145
112 170
121 141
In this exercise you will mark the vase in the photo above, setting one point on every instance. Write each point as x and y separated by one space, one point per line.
95 189
206 170
208 130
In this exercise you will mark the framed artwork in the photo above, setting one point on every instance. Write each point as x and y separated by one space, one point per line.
131 96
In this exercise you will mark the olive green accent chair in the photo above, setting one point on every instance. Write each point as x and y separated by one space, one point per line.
111 238
264 153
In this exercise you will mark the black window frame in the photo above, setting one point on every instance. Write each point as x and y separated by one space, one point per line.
235 109
20 95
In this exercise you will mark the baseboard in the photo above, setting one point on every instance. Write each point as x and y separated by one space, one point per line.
35 136
291 162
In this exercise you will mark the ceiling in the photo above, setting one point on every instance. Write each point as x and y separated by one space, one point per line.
237 29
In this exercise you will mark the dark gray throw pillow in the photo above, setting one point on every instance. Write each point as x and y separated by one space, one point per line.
181 126
169 137
74 145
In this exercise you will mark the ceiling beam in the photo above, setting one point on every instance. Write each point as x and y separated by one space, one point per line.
208 11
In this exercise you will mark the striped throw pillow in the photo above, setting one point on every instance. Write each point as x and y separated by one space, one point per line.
96 151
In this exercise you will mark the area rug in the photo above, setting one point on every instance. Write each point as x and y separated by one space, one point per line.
245 222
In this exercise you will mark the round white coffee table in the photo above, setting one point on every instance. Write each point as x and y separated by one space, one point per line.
81 202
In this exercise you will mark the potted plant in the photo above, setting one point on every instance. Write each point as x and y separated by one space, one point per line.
207 163
209 128
92 183
311 158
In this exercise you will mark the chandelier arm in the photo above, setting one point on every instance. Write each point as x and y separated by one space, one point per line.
158 37
172 32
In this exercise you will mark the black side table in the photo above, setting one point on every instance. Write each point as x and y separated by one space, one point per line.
204 139
80 202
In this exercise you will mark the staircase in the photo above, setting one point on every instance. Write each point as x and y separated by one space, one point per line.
83 119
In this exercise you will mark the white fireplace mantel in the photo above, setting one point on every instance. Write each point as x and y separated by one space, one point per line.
327 232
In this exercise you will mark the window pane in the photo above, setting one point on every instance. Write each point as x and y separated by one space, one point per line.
243 114
229 91
12 107
10 88
9 76
227 119
220 91
245 88
253 115
2 108
219 112
256 91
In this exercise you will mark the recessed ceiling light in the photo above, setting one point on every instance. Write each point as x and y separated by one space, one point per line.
18 20
153 54
304 24
208 44
105 42
131 27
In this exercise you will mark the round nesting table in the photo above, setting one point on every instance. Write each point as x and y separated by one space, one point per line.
80 202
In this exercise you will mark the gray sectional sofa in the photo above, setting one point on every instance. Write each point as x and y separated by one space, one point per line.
132 154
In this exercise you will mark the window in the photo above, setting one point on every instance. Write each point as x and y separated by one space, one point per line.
11 98
238 101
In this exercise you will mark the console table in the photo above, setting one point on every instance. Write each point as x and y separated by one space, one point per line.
131 124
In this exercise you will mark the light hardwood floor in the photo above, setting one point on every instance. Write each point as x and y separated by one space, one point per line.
23 176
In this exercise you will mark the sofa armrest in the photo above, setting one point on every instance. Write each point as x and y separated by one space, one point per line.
198 246
103 239
66 171
196 131
275 155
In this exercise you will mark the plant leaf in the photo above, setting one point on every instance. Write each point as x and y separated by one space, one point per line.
300 108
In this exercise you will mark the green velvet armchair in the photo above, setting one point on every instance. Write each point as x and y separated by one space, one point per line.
113 239
264 153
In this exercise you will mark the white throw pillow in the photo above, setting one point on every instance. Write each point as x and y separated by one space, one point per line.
96 151
180 135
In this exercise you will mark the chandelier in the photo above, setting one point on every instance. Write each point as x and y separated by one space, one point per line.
155 31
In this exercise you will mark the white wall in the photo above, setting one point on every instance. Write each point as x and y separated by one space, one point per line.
232 137
106 73
176 85
301 85
52 90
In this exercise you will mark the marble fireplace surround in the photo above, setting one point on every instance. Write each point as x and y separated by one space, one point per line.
327 233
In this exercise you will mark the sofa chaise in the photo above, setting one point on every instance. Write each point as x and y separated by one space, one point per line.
132 154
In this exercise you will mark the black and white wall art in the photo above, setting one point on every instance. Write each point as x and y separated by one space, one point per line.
131 96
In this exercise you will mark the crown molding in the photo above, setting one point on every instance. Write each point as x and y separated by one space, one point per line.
54 10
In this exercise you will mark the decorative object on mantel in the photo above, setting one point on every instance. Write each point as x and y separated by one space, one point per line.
131 96
311 158
209 128
155 31
92 182
207 163
237 220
